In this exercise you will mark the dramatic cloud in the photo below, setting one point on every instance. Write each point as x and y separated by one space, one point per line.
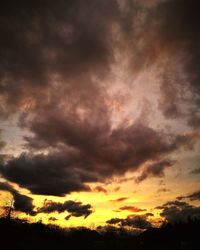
22 203
132 209
176 211
133 221
92 157
74 208
69 68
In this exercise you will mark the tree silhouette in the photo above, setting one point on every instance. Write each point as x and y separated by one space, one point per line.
8 208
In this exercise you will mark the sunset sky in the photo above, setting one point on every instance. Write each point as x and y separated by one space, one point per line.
100 111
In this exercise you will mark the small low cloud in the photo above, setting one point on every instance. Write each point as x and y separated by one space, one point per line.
52 219
121 199
149 214
132 209
100 189
74 208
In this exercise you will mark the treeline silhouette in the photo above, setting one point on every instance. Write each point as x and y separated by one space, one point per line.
17 234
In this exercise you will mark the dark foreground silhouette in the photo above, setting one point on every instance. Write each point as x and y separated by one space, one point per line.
15 234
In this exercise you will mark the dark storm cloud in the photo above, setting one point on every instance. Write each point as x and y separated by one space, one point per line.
22 202
155 170
93 156
176 211
47 174
134 221
132 209
74 208
54 60
193 196
47 40
124 146
52 70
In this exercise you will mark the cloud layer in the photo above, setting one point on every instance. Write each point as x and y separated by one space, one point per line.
59 74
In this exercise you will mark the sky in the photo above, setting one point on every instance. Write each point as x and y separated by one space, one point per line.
100 111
